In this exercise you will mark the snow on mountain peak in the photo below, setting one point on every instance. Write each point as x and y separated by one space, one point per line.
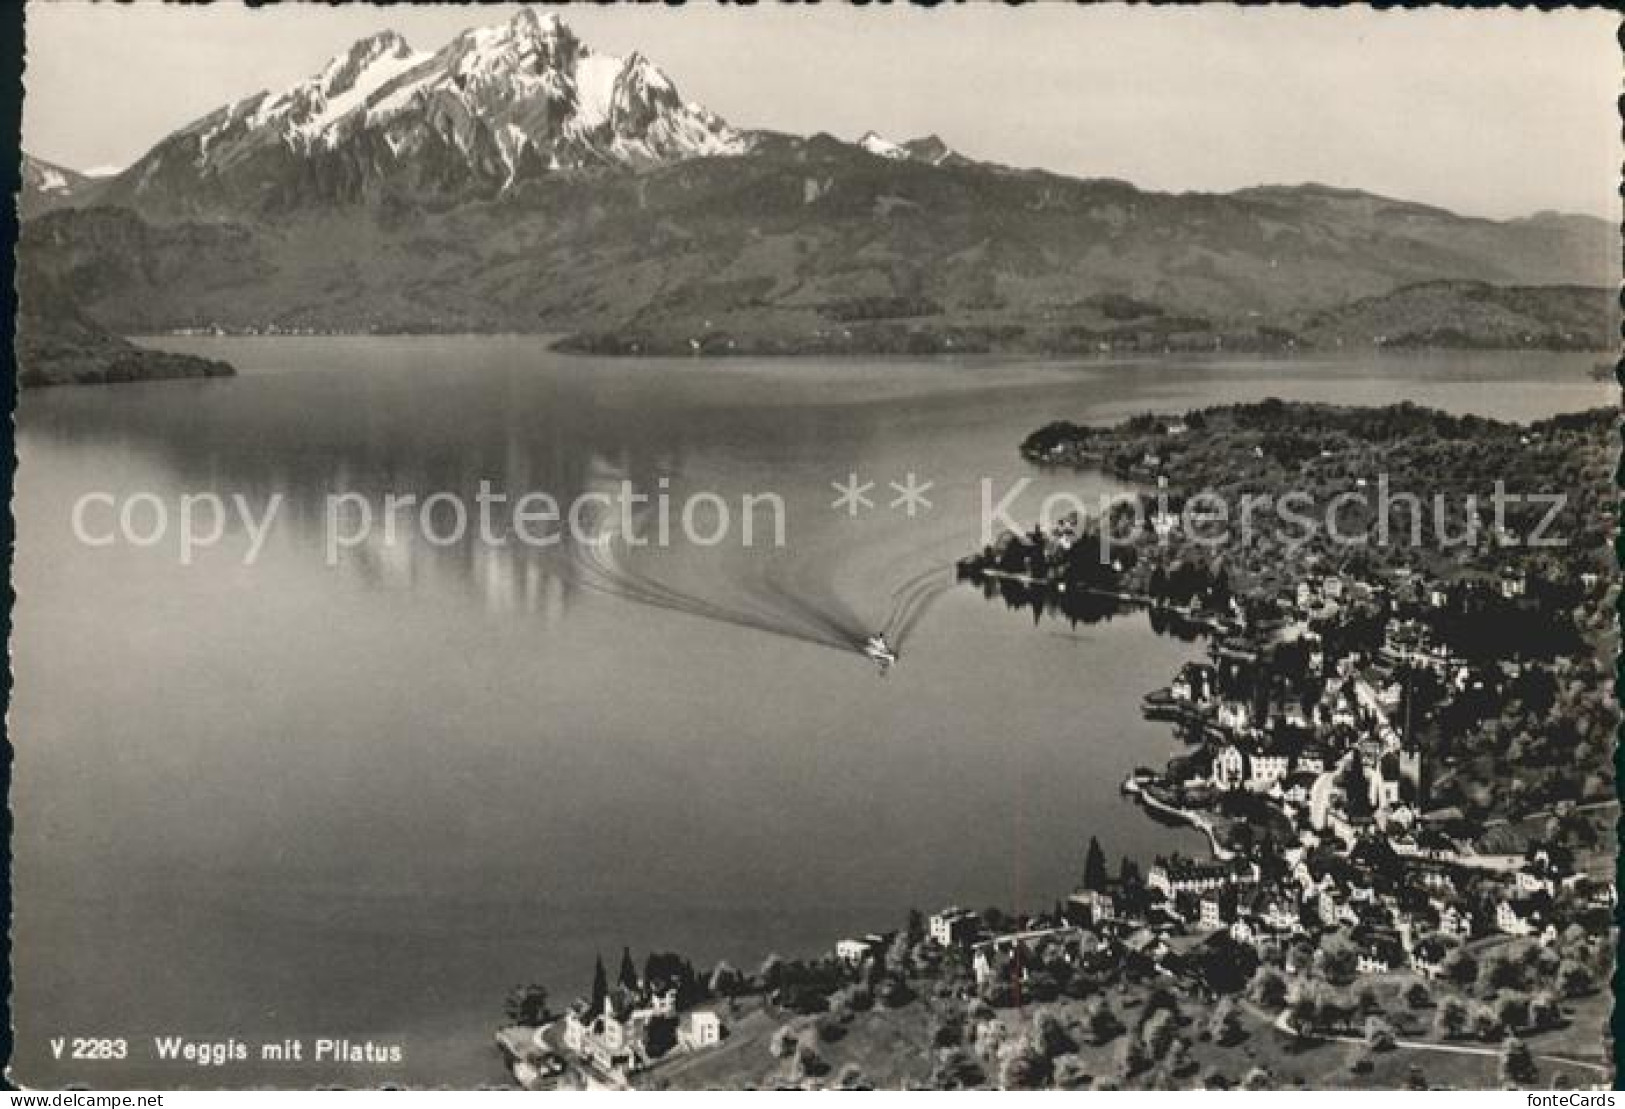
882 147
309 110
342 72
646 74
929 150
640 94
528 44
536 83
495 105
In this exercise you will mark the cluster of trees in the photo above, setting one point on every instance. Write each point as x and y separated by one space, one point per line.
1154 1048
1151 1037
829 985
1043 973
1378 425
1331 446
1481 625
798 1048
662 971
527 1005
812 986
1279 675
1494 1003
1054 436
1326 452
1490 1021
1553 721
1190 582
1530 966
1128 884
1079 562
1313 1008
801 986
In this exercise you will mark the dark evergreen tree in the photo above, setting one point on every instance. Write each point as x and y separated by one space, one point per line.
1158 585
628 978
600 985
1094 867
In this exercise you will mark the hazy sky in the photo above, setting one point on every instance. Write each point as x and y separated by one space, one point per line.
1498 113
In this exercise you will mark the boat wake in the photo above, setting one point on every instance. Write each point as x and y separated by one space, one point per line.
911 601
798 610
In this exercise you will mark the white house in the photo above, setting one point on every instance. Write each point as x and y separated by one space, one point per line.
1179 875
954 926
1521 916
704 1030
853 952
1280 915
1455 921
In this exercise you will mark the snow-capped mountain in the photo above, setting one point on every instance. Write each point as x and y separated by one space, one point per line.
495 106
930 150
360 199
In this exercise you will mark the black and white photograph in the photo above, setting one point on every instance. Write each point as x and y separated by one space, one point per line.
977 546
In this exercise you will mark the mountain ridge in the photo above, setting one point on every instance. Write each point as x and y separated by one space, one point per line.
494 106
45 185
373 196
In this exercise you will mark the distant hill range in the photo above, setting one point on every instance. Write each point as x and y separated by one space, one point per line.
1471 314
58 345
516 180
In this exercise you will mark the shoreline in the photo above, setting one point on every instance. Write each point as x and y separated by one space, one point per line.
566 343
1315 775
1136 789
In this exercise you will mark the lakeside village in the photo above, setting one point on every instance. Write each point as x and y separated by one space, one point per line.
1402 762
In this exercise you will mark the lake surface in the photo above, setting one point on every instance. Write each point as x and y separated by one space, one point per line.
365 799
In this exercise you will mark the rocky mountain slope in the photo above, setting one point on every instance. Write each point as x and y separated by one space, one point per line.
493 108
929 149
516 180
46 186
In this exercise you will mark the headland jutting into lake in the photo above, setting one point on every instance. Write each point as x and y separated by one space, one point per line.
1385 903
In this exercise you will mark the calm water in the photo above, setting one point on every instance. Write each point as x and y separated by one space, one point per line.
302 799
